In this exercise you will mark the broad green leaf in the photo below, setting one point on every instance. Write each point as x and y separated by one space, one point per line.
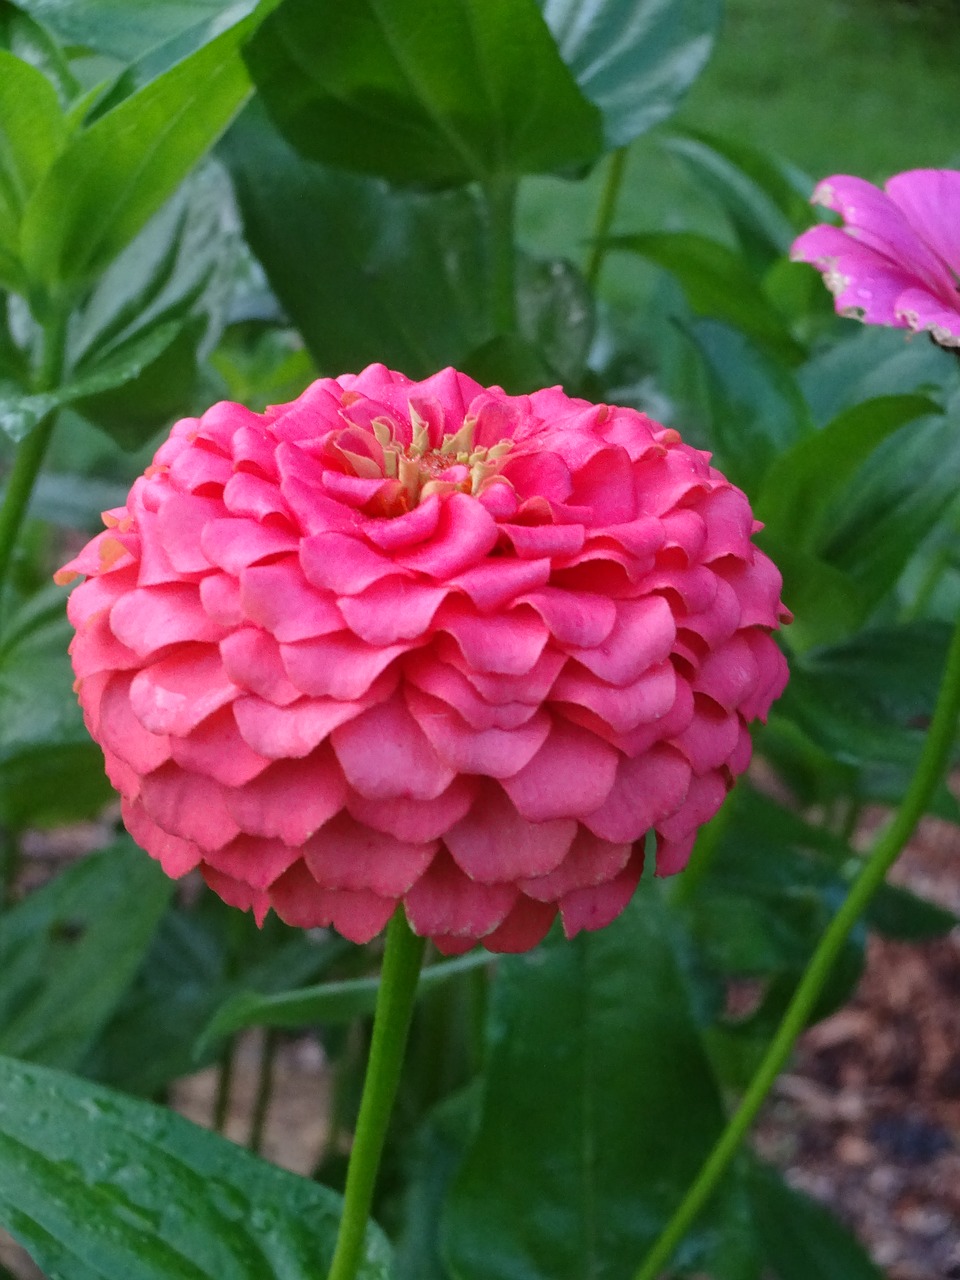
433 1158
870 363
50 770
29 41
773 883
116 174
366 274
128 31
800 1238
557 316
898 913
32 134
865 700
757 411
69 951
97 1185
20 414
763 199
199 957
873 529
717 283
806 481
328 1002
75 501
633 58
470 90
596 1076
509 361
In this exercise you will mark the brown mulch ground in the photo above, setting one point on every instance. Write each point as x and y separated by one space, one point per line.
867 1120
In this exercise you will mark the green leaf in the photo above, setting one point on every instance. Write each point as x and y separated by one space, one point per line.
717 283
366 274
897 913
20 414
633 58
508 361
128 31
116 174
198 959
757 410
97 1185
807 480
471 90
800 1238
433 1158
897 500
32 43
69 951
328 1002
765 201
871 363
32 134
50 770
557 317
866 699
596 1076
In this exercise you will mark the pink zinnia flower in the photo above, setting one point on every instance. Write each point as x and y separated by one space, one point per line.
896 260
425 642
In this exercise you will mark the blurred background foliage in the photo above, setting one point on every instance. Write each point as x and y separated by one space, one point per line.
141 286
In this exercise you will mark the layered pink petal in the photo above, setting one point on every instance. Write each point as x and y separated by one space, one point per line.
432 646
493 843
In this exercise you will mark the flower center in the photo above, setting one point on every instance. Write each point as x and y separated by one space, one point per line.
420 469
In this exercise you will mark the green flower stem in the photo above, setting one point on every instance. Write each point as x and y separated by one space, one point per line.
501 200
395 1000
886 848
32 450
605 211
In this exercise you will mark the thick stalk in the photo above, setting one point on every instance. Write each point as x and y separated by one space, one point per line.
605 213
501 200
398 988
32 450
886 848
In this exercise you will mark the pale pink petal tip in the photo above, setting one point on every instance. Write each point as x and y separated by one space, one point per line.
429 645
896 259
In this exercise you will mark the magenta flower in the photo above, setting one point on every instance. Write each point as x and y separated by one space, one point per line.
896 260
425 642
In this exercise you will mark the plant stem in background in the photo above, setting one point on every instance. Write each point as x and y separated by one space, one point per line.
886 848
605 212
398 987
221 1103
32 450
501 200
261 1103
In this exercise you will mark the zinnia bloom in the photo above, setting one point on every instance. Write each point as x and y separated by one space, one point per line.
896 260
425 642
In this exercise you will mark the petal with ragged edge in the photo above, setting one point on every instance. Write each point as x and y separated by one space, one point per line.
344 854
598 906
498 753
174 694
570 775
188 805
493 843
299 901
445 901
292 799
646 789
385 755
